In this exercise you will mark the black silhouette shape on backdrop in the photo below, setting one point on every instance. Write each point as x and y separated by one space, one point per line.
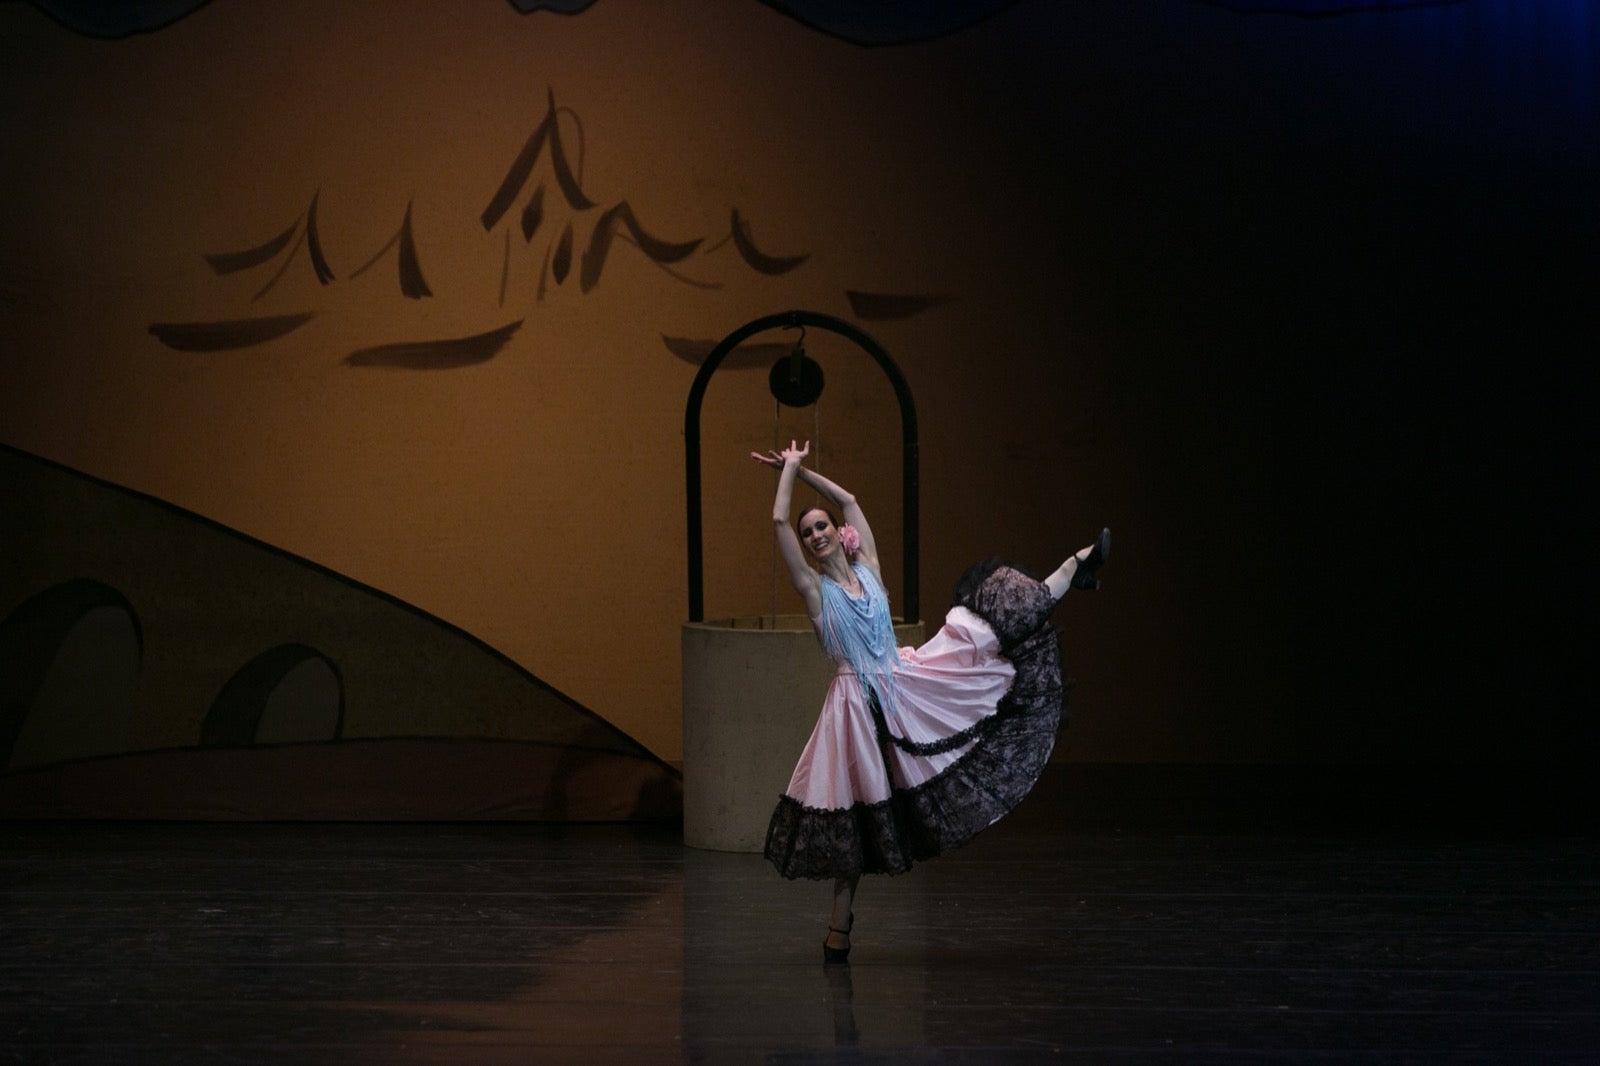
579 235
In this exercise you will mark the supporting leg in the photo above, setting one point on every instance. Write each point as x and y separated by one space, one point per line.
842 917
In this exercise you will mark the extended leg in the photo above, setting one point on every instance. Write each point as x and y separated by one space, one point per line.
1079 571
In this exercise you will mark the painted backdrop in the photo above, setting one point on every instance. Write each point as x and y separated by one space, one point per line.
411 296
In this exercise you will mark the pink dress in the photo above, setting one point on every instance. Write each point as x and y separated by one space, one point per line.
935 746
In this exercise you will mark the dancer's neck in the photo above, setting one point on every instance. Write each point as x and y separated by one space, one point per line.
839 569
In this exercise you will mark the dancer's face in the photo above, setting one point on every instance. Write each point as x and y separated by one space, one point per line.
818 533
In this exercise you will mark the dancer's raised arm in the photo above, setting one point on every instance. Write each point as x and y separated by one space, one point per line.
831 545
844 502
852 514
805 580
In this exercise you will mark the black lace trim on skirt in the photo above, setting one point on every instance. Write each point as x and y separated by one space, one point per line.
920 748
939 815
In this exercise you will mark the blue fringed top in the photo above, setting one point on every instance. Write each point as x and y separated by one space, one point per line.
858 631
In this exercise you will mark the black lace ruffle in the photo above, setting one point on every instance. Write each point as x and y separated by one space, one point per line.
1014 604
920 748
1010 752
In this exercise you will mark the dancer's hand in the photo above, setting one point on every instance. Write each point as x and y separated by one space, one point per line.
777 460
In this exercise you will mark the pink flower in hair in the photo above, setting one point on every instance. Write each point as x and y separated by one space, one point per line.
849 539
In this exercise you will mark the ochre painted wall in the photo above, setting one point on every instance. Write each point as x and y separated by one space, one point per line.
1223 283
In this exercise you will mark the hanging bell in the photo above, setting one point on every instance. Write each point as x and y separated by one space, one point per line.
795 380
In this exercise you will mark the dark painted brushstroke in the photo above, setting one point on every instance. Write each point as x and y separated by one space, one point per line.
379 254
319 261
517 176
563 257
115 19
533 214
31 635
435 355
570 189
660 251
578 122
675 275
235 714
886 306
411 282
227 335
863 22
888 22
283 268
694 351
233 262
505 269
560 7
410 268
758 260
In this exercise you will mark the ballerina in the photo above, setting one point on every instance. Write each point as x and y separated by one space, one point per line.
915 750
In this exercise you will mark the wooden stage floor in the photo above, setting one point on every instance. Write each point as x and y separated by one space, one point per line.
1046 940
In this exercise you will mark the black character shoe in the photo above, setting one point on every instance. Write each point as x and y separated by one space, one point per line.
832 954
1086 575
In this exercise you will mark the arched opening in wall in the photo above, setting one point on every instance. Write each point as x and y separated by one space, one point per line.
290 694
69 667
